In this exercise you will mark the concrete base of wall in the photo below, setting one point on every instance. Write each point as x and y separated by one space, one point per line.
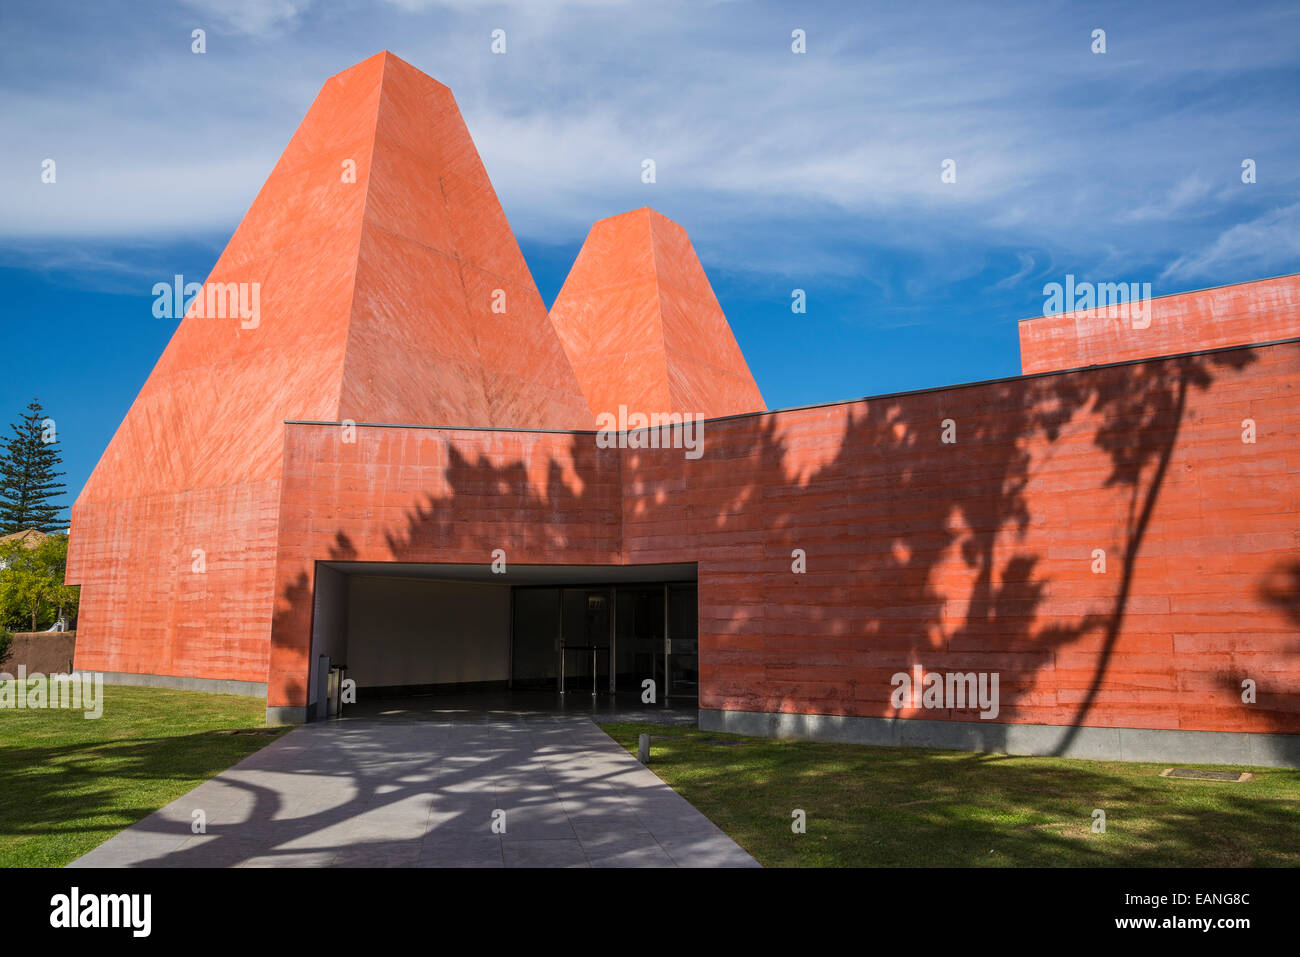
1101 744
285 715
247 689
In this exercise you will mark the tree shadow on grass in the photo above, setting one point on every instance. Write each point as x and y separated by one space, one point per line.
869 806
99 787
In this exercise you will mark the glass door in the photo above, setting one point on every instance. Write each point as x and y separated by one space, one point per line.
682 651
535 638
586 638
639 639
635 632
645 649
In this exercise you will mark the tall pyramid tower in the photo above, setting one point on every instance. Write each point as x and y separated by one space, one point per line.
376 300
390 289
642 327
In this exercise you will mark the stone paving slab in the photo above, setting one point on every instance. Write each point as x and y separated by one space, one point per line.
421 791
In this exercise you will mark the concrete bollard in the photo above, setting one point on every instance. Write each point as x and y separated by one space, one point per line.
643 749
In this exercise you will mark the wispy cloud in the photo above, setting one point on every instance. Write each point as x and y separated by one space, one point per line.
1026 269
253 18
1254 248
1132 156
1188 193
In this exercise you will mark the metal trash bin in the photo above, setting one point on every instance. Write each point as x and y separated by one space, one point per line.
334 694
320 688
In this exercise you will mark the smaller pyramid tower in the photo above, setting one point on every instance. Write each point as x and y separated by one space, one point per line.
642 327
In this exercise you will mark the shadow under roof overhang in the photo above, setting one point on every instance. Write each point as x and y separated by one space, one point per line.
518 574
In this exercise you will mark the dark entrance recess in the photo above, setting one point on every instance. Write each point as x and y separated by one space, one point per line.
423 629
629 633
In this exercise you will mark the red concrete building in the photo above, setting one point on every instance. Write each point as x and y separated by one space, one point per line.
395 461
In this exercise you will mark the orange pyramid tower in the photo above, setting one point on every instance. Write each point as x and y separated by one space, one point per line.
642 327
379 250
380 282
447 326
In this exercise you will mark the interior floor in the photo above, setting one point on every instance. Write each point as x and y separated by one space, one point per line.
603 707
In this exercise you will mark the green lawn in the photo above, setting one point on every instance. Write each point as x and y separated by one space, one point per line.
889 807
68 784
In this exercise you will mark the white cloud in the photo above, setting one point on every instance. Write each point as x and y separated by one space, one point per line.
1267 245
255 18
1186 194
1065 153
1026 269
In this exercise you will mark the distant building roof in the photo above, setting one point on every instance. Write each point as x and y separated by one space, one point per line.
30 538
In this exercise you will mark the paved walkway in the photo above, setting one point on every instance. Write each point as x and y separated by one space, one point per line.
420 790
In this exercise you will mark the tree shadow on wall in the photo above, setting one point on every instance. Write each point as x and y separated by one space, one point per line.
1281 589
880 521
1143 416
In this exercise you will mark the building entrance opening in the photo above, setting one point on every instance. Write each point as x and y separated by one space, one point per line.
624 636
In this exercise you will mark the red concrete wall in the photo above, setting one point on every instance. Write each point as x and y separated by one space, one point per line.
145 610
1241 314
974 556
447 326
431 495
196 462
977 555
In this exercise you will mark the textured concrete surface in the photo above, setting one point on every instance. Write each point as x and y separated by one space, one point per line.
1263 311
971 556
421 790
248 689
642 327
446 326
981 555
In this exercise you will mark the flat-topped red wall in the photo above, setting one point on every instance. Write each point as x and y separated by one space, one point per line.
972 556
1264 311
978 555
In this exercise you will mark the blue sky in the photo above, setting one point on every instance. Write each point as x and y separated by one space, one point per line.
818 171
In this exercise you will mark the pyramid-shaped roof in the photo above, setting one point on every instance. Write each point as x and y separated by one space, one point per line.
642 327
376 292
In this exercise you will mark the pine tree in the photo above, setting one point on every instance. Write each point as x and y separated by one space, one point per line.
28 480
